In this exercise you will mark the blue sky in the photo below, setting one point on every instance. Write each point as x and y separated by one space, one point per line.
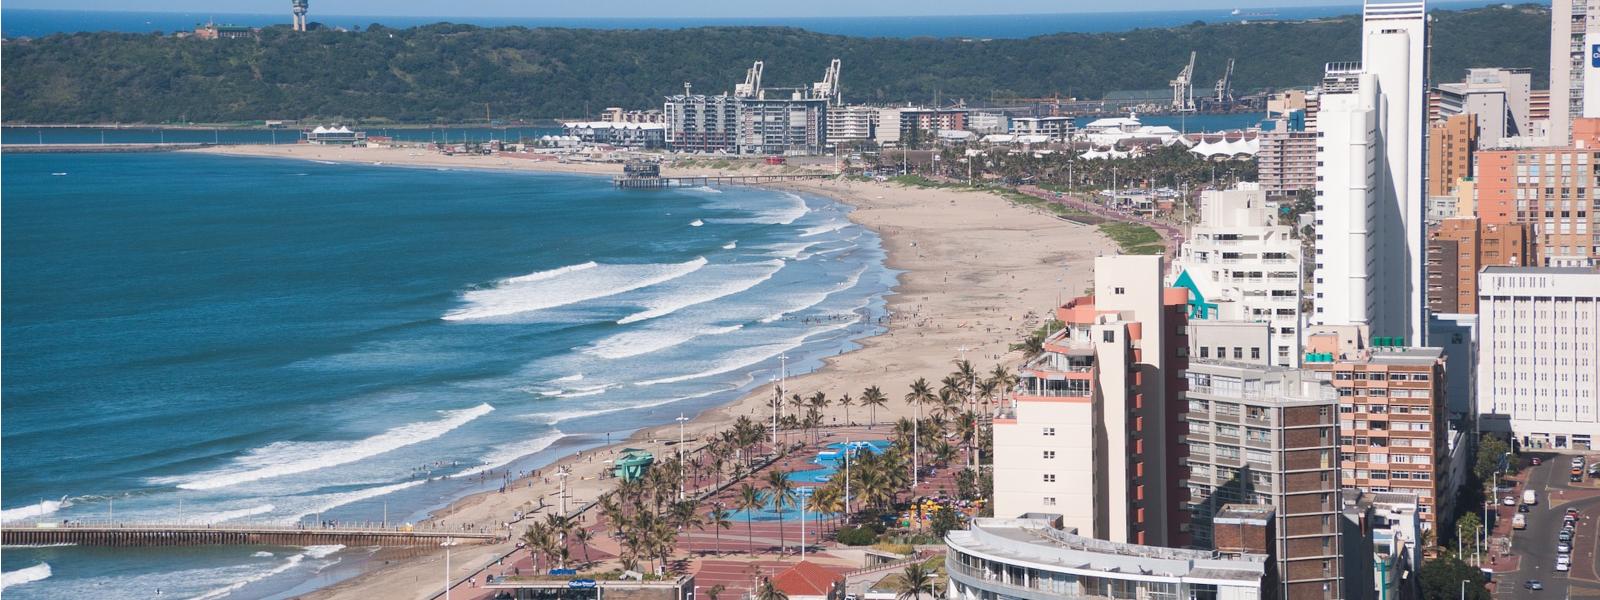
664 8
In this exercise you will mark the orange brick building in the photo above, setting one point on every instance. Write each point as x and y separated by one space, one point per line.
1458 248
1551 190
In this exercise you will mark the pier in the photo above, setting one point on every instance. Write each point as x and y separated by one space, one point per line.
242 534
650 183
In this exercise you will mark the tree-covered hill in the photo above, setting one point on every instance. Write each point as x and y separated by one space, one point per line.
450 72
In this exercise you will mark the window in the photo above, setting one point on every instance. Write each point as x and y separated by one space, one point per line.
1049 501
1119 291
1049 454
1108 336
1049 477
1049 431
1238 353
1255 353
1205 352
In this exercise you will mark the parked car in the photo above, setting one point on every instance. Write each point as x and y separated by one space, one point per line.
1530 497
1572 512
1563 548
1509 501
1522 508
1519 522
1533 584
1577 461
1563 562
1535 461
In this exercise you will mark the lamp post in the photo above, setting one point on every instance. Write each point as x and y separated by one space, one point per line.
1464 589
681 484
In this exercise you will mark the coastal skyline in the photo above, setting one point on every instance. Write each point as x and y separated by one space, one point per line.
686 9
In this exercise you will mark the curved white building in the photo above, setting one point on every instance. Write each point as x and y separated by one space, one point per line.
1028 559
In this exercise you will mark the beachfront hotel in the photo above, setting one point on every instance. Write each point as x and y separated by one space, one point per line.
1029 558
1092 433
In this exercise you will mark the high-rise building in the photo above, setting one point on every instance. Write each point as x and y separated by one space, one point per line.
1451 143
1238 264
849 125
1287 161
1574 70
1553 191
1458 248
1392 429
1370 204
702 123
1269 435
787 124
1538 358
1093 431
1500 98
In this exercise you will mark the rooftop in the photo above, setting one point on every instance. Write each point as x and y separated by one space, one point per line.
1034 542
1494 270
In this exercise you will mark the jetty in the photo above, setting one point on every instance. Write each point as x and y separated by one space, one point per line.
228 534
647 183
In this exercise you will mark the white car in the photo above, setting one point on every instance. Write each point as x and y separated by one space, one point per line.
1563 548
1563 562
1577 461
1508 501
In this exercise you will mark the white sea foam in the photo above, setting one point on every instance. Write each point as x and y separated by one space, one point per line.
31 574
780 215
558 417
542 275
811 300
645 341
503 455
573 377
791 250
690 296
229 515
33 511
287 458
62 545
228 590
706 189
327 502
322 551
824 228
262 554
745 357
731 245
696 223
539 291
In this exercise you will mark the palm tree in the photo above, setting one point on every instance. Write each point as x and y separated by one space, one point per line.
766 591
750 499
583 535
873 398
715 590
783 497
537 538
717 519
684 516
911 583
846 401
920 394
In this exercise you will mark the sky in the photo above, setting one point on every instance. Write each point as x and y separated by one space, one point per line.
660 8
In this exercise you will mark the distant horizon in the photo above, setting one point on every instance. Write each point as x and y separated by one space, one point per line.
1243 5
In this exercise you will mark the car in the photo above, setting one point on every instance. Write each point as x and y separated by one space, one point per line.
1509 501
1563 548
1533 584
1572 512
1522 508
1535 461
1564 537
1577 461
1563 567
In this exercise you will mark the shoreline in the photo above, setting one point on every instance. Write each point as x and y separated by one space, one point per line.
971 266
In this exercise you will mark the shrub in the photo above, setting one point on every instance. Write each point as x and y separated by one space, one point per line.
857 536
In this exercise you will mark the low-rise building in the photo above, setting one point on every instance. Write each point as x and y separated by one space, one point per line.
851 125
999 559
617 115
618 133
1054 128
338 135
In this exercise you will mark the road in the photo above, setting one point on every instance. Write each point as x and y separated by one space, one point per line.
1536 545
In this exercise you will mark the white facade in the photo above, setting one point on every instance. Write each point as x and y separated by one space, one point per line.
1248 266
1574 69
1055 128
851 124
988 123
1028 559
1539 354
1370 197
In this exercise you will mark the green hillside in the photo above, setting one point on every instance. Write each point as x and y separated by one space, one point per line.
449 72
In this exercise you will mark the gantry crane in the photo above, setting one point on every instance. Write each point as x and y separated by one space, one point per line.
1183 88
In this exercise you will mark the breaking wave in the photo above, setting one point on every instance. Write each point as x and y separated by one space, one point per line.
560 287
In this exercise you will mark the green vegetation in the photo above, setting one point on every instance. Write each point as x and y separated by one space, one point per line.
448 72
856 536
1132 238
1442 577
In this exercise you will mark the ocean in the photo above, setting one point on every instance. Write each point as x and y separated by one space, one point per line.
220 339
34 22
222 135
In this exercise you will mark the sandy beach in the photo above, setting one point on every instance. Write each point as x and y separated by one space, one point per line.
978 272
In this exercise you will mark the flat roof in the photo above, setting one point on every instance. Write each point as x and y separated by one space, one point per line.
1493 270
1033 542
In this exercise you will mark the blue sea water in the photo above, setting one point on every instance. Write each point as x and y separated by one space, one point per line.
222 339
34 22
171 135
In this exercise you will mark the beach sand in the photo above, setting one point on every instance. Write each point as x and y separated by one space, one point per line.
974 265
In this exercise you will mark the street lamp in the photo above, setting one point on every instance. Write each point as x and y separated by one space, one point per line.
681 484
1464 589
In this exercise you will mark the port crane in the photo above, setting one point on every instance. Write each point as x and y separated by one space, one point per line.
1183 87
751 88
1224 87
829 86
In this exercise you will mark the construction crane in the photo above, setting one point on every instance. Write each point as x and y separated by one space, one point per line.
1183 88
1224 87
751 88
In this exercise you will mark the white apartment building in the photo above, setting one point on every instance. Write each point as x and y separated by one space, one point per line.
1240 265
1088 435
1539 355
988 122
1054 128
1370 194
1574 70
851 124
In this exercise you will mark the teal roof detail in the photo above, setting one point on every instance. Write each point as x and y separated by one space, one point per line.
1198 307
